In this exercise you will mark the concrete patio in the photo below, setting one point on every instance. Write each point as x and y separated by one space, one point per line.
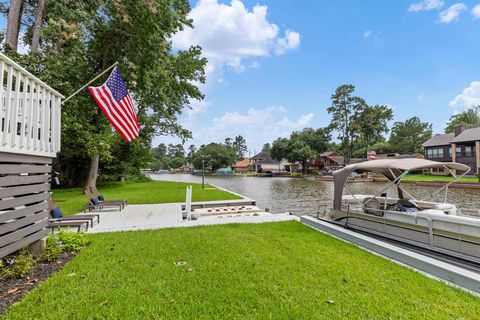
169 215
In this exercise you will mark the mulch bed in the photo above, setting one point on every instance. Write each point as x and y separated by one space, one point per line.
12 290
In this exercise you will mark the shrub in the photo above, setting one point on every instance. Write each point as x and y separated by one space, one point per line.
52 249
72 241
19 265
3 269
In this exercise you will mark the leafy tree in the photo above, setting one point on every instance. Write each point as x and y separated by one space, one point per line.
370 125
176 151
240 146
382 146
228 142
294 149
80 39
279 150
176 162
191 151
266 147
216 155
134 155
160 151
344 110
469 118
299 151
317 139
408 136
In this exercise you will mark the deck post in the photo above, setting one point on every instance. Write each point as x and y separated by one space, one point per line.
454 154
477 157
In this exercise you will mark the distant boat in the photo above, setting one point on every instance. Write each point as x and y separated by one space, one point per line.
224 171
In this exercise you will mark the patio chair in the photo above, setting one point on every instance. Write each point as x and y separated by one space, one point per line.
95 204
67 224
101 198
57 216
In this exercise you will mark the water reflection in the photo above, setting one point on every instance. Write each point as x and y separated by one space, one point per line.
306 196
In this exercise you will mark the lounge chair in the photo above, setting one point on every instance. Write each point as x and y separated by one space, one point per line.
67 224
101 198
95 204
57 216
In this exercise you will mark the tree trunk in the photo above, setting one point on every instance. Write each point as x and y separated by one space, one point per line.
37 25
13 23
92 172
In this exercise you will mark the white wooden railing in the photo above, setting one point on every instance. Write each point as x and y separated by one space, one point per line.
30 112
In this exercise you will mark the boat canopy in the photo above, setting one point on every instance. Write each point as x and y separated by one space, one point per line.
390 168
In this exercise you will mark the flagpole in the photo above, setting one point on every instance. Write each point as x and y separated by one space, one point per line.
86 85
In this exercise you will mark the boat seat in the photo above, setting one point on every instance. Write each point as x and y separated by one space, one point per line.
405 205
437 206
372 206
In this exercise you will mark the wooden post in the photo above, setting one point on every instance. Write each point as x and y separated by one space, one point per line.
454 155
477 157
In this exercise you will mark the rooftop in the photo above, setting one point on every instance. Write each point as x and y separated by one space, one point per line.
264 158
472 134
468 135
242 163
439 140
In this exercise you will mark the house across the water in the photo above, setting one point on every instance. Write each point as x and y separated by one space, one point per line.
241 166
264 163
461 146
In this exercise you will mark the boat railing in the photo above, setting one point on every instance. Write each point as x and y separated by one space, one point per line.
429 220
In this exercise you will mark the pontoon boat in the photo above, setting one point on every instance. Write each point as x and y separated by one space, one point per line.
395 214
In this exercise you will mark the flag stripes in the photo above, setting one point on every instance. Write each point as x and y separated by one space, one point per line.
117 105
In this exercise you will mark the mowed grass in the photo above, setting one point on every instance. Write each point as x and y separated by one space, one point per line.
425 177
73 200
258 271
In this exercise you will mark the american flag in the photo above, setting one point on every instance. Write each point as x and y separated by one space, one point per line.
116 104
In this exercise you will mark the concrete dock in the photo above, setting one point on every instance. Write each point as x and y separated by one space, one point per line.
170 215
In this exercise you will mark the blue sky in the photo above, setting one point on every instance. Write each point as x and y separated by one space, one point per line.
416 56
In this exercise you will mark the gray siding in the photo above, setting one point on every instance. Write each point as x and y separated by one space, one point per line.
24 191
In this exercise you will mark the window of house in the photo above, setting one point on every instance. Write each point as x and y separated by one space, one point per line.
434 153
468 151
450 152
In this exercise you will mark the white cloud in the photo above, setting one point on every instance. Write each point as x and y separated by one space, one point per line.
469 97
425 5
289 42
452 13
197 107
476 12
253 117
231 34
367 34
257 126
301 122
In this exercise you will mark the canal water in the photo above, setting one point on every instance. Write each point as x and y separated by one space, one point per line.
305 196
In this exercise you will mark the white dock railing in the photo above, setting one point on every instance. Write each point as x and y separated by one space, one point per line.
30 112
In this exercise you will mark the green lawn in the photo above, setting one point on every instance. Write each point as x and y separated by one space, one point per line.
425 177
73 200
258 271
